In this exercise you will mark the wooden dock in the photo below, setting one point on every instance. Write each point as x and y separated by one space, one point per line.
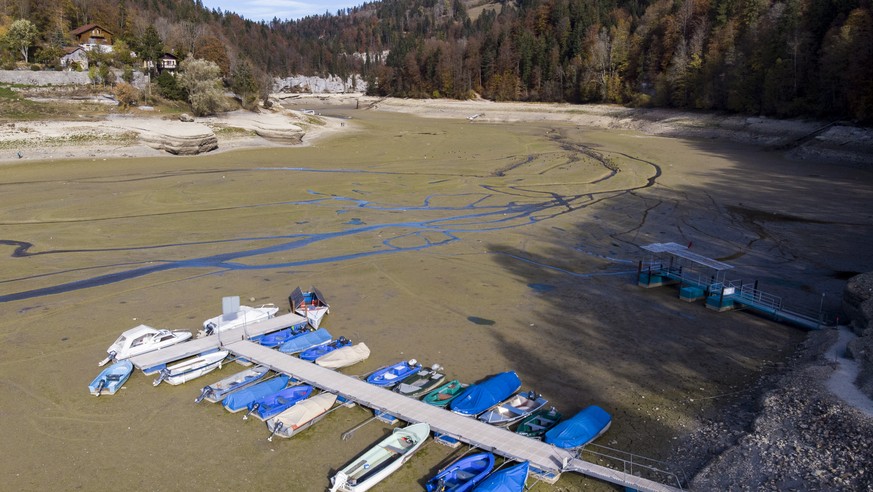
155 361
547 459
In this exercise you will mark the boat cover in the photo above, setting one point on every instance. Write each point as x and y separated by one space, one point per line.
304 411
304 341
344 357
579 429
276 403
278 338
317 351
509 479
239 400
480 397
463 474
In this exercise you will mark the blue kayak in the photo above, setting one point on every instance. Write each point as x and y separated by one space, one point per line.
273 404
240 400
509 479
579 429
318 351
390 375
480 397
463 474
111 379
305 341
278 338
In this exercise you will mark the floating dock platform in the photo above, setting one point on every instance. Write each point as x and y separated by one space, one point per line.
547 461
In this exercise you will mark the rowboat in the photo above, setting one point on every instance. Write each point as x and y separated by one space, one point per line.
111 379
301 416
514 409
381 460
216 391
344 357
140 340
310 305
239 400
235 318
305 341
536 424
319 350
580 429
441 396
478 398
463 474
388 376
279 337
191 368
509 479
276 403
421 382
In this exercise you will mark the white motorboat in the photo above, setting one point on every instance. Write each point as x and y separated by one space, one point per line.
140 340
191 368
381 460
301 416
234 316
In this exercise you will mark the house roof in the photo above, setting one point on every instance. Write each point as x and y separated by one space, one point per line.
169 55
69 50
88 27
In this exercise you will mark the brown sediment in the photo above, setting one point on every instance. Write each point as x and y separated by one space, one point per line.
660 366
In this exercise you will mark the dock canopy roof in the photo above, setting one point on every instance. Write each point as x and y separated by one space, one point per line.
683 252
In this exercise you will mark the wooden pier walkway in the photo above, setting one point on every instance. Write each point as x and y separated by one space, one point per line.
544 457
154 361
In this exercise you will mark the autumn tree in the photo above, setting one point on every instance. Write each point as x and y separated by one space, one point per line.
202 81
21 35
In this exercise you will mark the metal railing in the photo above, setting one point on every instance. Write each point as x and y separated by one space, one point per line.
634 464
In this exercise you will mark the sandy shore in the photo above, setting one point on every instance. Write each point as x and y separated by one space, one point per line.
482 245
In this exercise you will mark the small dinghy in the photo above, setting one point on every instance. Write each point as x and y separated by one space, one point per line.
272 405
463 474
111 379
421 382
509 479
388 376
192 368
536 424
344 357
310 305
381 460
301 416
580 429
141 340
320 350
514 409
305 341
441 396
480 397
216 391
239 400
234 316
279 337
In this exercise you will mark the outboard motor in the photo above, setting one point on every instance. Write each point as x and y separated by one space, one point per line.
109 358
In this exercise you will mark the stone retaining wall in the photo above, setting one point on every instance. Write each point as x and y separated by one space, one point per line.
46 78
858 305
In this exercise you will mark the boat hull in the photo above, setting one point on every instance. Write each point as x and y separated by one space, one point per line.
381 460
442 396
580 429
388 376
240 400
514 409
463 474
193 368
509 479
272 405
143 339
538 423
218 390
305 341
478 398
344 357
301 416
111 379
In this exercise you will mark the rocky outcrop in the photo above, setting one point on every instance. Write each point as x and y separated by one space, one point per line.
172 136
858 305
319 85
288 134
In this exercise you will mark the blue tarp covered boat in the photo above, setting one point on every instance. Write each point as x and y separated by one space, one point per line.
388 376
279 337
318 351
509 479
480 397
305 341
111 379
579 429
240 400
276 403
463 474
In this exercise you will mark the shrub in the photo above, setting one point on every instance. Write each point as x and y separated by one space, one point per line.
126 94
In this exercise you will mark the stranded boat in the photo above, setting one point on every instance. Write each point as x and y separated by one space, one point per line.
276 403
536 424
509 479
310 305
319 350
239 400
580 429
463 474
192 368
421 382
381 460
388 376
480 397
301 416
441 396
344 357
216 391
514 409
305 341
235 316
140 340
111 379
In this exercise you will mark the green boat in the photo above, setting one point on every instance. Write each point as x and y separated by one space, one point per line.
536 424
441 396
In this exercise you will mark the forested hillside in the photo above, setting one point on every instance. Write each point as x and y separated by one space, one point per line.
779 58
